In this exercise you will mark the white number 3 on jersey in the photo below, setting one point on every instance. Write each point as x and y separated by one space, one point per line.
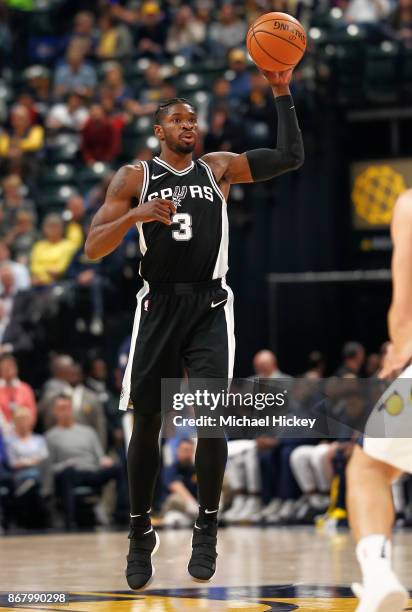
185 226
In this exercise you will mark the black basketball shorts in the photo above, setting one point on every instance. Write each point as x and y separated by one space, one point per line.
178 327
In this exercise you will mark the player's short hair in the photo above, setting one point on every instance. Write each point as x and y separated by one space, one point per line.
163 107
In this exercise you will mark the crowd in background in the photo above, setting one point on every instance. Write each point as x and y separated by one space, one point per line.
79 84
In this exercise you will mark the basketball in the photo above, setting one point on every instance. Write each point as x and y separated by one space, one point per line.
276 41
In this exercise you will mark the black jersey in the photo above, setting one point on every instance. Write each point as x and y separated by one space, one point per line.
195 247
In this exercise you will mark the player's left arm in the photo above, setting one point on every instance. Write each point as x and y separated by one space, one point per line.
400 312
263 164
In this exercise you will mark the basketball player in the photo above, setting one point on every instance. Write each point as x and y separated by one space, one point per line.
184 310
372 469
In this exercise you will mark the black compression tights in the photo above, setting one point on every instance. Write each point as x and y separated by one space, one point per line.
143 460
211 457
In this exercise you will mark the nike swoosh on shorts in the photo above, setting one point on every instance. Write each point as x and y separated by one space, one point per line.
213 305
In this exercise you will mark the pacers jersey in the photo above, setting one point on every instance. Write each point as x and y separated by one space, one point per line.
195 247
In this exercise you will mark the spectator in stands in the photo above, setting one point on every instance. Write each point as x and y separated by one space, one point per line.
257 108
312 469
179 481
115 40
240 84
228 32
13 199
151 33
84 30
70 114
51 256
279 487
223 134
13 391
15 313
244 479
372 365
20 272
100 139
316 365
22 136
114 81
265 365
203 10
366 11
22 236
86 276
74 74
151 91
186 33
58 384
400 22
74 214
221 96
97 381
68 380
38 84
96 195
353 355
77 459
26 450
27 100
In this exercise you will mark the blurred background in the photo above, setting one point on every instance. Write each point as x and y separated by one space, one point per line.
309 252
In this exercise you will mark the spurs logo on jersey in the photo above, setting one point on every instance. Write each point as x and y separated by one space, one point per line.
179 193
194 247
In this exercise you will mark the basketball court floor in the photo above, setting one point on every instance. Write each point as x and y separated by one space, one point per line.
273 569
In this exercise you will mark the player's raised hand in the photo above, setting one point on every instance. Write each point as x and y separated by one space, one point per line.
157 209
277 78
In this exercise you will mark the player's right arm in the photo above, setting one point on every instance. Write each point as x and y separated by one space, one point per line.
117 215
400 312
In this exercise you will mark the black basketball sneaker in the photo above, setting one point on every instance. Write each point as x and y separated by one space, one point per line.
202 564
143 545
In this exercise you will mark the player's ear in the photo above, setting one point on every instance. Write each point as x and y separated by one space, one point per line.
158 131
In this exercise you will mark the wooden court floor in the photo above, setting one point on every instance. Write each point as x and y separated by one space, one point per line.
277 569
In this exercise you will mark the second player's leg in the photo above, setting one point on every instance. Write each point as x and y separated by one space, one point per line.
371 516
369 497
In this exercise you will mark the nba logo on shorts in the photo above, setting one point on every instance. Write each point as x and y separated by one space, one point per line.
146 305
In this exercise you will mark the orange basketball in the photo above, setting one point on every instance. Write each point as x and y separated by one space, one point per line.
276 41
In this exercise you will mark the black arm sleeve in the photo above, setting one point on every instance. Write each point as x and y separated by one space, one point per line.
266 163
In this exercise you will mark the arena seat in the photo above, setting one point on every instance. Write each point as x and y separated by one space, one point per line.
406 73
64 153
190 82
381 81
89 176
57 175
53 198
349 71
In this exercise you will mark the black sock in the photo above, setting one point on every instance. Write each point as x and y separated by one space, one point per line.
143 461
206 517
141 521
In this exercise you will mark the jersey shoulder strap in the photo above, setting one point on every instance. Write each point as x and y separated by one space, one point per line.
146 178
